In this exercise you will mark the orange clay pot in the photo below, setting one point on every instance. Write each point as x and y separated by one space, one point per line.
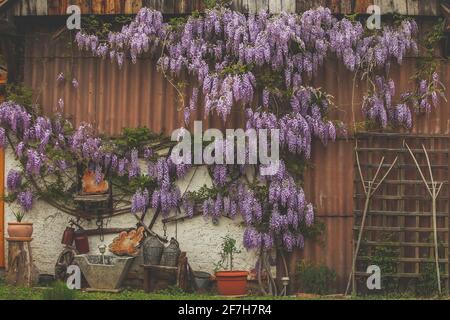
20 230
232 283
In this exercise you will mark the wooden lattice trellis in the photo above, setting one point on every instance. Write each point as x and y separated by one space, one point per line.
398 232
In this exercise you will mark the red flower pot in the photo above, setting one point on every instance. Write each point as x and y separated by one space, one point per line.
20 230
232 283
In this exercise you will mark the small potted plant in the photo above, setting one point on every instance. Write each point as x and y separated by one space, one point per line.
230 282
20 230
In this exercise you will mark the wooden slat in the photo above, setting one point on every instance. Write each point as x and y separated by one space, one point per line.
399 244
393 197
110 7
154 4
445 151
168 6
397 275
2 209
433 166
399 229
241 5
63 4
41 8
428 7
403 182
288 6
85 5
252 6
98 7
413 7
182 6
2 189
401 213
262 5
386 6
361 6
346 7
400 6
365 258
275 6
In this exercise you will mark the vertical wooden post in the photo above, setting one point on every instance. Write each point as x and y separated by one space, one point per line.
20 270
2 186
2 209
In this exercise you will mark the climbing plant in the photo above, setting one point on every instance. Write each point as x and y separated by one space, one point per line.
262 65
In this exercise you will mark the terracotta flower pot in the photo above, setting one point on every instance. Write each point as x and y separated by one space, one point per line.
20 230
232 283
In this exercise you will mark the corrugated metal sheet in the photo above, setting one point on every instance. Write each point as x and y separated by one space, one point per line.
138 95
58 7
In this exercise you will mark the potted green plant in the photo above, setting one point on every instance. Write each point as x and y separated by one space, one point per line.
20 230
229 281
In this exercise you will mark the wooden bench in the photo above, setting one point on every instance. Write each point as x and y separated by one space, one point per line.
180 273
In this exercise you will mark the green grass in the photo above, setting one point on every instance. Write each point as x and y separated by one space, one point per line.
16 293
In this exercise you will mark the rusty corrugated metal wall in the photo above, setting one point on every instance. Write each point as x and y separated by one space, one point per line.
58 7
138 95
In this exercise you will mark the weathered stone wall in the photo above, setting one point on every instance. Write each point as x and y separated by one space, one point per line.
199 237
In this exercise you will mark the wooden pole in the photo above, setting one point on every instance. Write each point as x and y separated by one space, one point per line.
369 191
363 222
434 191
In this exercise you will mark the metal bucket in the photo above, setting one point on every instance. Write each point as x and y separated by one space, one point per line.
152 250
202 279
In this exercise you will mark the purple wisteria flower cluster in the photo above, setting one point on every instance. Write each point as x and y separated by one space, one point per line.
210 45
48 146
167 196
273 218
140 36
379 105
25 200
14 180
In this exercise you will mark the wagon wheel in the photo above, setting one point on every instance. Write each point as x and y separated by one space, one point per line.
65 259
266 283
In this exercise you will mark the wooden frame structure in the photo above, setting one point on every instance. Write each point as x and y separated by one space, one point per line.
402 215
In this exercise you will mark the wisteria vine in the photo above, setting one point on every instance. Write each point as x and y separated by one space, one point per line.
260 63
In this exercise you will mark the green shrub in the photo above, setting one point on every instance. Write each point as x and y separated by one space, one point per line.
316 279
59 291
426 285
386 257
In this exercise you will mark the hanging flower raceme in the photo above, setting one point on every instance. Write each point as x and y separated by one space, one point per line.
14 180
140 201
25 200
220 47
15 118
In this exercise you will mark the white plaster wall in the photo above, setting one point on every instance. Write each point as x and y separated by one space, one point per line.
200 238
